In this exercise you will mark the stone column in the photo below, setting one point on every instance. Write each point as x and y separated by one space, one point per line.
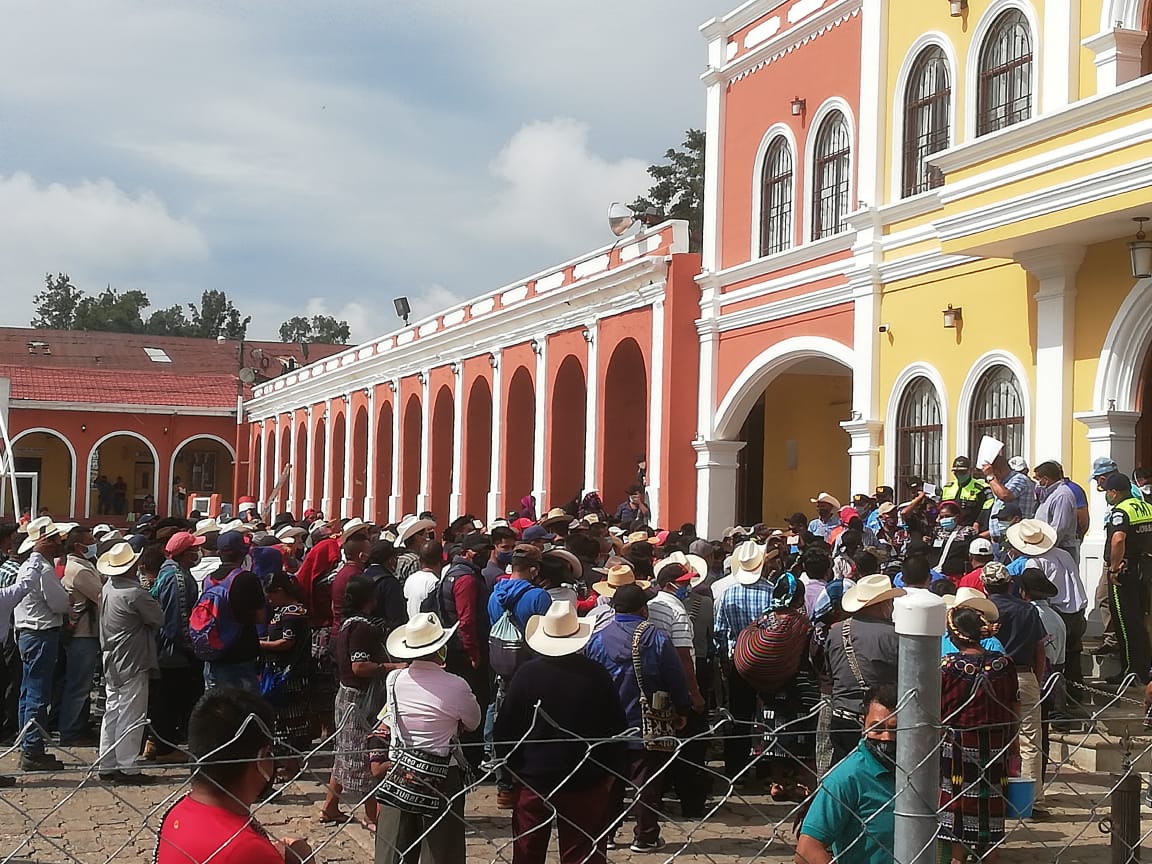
395 506
346 500
655 412
424 495
327 504
496 478
294 474
456 499
538 442
591 413
716 463
864 451
370 458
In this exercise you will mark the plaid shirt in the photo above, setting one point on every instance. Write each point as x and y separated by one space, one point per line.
738 607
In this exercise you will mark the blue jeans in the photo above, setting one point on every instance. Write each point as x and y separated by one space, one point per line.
241 675
38 650
82 655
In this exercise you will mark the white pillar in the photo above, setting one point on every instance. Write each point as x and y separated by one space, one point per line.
656 413
864 427
1061 55
423 495
591 412
496 478
293 484
395 508
538 454
456 500
327 503
1111 434
262 477
370 459
864 452
309 472
271 508
873 120
1118 56
715 89
1055 270
346 499
716 463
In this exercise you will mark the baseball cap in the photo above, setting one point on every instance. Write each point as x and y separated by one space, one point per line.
537 532
1009 512
673 572
1102 465
995 573
475 542
961 462
231 541
981 547
1018 463
848 513
181 542
526 553
1118 483
885 490
861 498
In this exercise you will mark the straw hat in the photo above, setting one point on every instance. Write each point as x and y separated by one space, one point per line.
1031 536
825 498
555 516
354 526
118 560
568 558
40 528
409 526
641 537
619 574
206 526
557 632
747 562
973 599
885 508
234 525
421 636
869 591
290 532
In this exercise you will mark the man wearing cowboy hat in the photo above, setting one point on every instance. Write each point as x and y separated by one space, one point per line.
558 775
39 618
354 540
129 619
618 573
862 653
13 587
410 536
82 648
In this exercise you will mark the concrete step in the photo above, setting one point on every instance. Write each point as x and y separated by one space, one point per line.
1100 752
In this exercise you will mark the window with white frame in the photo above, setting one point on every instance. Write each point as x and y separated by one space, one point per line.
776 198
927 113
831 177
1004 86
919 434
998 411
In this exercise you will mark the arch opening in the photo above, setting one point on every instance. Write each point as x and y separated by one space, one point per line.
625 420
123 467
567 433
300 471
204 466
359 458
410 461
335 465
478 448
383 466
440 453
44 461
319 464
519 439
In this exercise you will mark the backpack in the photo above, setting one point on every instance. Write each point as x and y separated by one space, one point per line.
769 651
507 649
441 598
212 627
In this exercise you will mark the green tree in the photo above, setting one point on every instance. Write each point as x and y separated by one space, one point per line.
168 322
678 191
322 329
217 316
56 304
112 311
296 329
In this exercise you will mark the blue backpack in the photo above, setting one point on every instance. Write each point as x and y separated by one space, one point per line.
212 627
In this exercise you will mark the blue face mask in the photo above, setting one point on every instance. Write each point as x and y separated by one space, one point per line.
90 551
948 523
503 558
682 592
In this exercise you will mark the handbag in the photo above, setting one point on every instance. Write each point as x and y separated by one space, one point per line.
273 681
657 716
415 781
770 650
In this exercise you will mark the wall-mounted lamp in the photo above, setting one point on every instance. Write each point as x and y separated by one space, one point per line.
536 346
952 317
403 308
392 385
493 361
422 378
799 106
1140 251
957 8
83 428
455 367
587 334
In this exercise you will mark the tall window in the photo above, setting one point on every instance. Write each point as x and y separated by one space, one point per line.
1005 87
776 198
927 104
832 180
919 434
998 411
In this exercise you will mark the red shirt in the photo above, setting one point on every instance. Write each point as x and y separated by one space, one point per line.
973 580
193 833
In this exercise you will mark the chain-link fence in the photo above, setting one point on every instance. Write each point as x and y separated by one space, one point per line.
1092 791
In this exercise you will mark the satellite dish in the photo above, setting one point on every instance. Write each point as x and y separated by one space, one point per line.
247 375
620 218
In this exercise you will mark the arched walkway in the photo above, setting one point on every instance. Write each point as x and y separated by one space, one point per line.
204 465
336 464
410 437
383 467
300 471
271 469
51 457
127 461
319 465
625 420
440 453
281 501
253 486
519 439
478 448
359 458
567 431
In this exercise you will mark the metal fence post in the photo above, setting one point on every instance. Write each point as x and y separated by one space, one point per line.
920 623
1125 818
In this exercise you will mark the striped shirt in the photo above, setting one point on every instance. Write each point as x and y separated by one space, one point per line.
682 633
659 616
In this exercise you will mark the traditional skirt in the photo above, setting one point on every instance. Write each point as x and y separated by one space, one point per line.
294 713
790 718
351 767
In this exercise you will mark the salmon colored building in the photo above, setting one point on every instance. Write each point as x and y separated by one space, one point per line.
552 386
137 410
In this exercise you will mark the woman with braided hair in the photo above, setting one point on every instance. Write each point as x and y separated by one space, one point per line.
980 714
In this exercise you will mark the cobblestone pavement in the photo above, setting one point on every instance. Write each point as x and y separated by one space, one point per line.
71 817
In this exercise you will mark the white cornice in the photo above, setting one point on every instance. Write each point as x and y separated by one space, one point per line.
738 18
793 257
918 265
810 302
120 408
774 285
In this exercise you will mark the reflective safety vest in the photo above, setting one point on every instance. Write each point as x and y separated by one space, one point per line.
968 495
1138 536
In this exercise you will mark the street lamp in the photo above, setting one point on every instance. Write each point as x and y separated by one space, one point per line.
957 7
1140 250
952 317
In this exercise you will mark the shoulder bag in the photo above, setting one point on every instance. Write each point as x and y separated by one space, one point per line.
415 781
658 716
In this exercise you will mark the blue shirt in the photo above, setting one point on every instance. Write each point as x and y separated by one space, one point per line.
739 606
872 523
949 647
821 528
1024 491
522 597
853 813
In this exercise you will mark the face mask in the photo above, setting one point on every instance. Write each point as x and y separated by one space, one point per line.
884 751
962 476
948 523
481 559
90 551
504 558
682 592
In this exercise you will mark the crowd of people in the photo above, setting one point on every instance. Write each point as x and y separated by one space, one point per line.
576 658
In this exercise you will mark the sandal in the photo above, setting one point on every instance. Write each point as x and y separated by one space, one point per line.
328 819
370 827
778 792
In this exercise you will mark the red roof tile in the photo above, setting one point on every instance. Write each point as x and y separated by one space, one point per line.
121 386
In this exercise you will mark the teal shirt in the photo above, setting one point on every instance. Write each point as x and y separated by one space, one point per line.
853 813
992 644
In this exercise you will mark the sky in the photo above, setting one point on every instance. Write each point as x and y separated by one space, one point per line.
328 156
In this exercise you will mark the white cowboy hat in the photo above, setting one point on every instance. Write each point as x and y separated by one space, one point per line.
285 532
410 525
694 563
496 523
885 508
354 526
100 530
206 526
421 636
555 516
569 559
558 631
868 591
825 498
1031 536
618 574
66 528
117 560
972 599
40 528
234 525
616 531
748 562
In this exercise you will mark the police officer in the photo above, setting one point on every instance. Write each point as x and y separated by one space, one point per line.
1128 559
970 493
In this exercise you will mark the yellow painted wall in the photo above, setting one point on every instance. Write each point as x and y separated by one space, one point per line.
806 410
118 457
1089 26
55 470
183 467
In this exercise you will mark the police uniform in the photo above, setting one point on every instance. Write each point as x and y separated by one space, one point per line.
974 497
1128 587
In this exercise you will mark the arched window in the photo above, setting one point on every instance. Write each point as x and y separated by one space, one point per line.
776 198
998 411
1004 97
832 179
927 107
919 434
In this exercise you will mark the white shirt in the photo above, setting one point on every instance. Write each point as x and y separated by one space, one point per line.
721 585
416 587
683 636
1063 572
1055 644
208 565
47 600
433 705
